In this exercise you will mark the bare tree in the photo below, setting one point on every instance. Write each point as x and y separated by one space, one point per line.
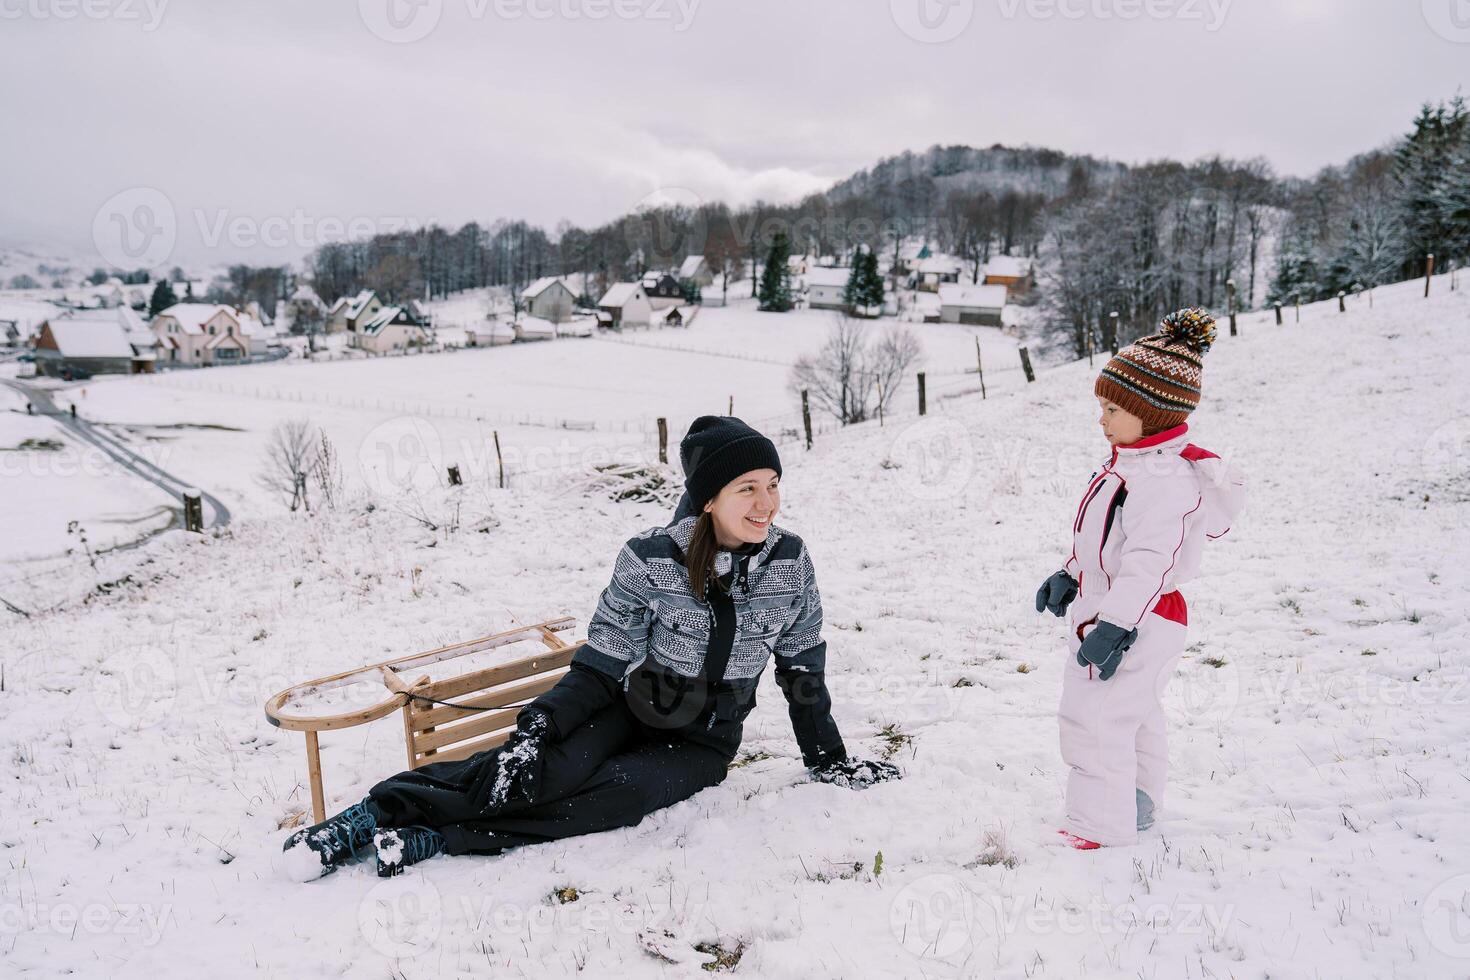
290 458
327 467
889 359
852 365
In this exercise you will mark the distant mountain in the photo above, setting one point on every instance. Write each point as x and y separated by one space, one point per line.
994 168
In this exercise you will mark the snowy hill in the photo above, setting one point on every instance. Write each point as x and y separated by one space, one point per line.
1320 738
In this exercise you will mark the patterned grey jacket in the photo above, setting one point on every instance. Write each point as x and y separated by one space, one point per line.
648 617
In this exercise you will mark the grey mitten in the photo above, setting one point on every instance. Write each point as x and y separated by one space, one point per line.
1056 593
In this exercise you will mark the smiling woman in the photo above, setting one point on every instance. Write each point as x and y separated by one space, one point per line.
652 708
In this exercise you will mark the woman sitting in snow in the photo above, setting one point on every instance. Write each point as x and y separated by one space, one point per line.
651 709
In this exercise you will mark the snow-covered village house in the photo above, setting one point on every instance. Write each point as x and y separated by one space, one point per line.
825 286
624 305
662 290
392 328
695 269
345 314
1010 271
549 298
966 303
937 270
92 342
200 334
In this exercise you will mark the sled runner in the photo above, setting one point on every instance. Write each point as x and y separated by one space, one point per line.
443 720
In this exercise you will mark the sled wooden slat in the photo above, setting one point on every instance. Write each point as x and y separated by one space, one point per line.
427 734
482 684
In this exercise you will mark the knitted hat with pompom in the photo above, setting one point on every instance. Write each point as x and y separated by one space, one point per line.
1158 378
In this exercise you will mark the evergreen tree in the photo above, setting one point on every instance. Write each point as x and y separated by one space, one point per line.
1297 276
864 290
774 294
163 297
1423 170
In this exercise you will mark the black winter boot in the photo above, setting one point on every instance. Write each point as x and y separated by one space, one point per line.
319 849
402 846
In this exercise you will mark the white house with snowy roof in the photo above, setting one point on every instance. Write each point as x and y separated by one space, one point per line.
390 329
937 270
92 342
625 304
825 286
348 310
696 268
200 334
550 298
967 303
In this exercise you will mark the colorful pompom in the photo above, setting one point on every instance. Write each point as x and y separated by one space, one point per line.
1193 327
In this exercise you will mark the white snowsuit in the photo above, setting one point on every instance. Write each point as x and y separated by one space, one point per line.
1137 535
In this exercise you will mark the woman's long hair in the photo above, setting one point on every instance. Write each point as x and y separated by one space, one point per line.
699 557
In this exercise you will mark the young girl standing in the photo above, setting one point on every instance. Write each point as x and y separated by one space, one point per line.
1136 536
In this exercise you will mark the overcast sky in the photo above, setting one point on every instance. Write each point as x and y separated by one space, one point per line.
292 118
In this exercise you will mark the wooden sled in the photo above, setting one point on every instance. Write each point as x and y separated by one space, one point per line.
475 711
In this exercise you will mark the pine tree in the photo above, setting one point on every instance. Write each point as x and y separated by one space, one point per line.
163 297
864 290
774 294
1297 276
1423 171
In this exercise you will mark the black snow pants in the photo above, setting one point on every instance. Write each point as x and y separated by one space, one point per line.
610 771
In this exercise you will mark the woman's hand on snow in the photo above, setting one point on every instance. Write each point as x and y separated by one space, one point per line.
855 773
1056 593
522 756
1103 647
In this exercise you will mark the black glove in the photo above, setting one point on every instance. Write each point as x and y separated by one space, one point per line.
854 773
1056 593
522 756
1103 648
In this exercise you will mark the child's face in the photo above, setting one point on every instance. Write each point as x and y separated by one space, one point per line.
1119 426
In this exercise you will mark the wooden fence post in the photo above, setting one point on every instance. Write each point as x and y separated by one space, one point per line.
1298 301
1341 301
1230 294
980 368
923 404
806 417
1278 314
193 511
1428 272
663 440
499 460
1026 365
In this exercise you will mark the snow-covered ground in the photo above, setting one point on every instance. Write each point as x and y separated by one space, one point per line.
1320 736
